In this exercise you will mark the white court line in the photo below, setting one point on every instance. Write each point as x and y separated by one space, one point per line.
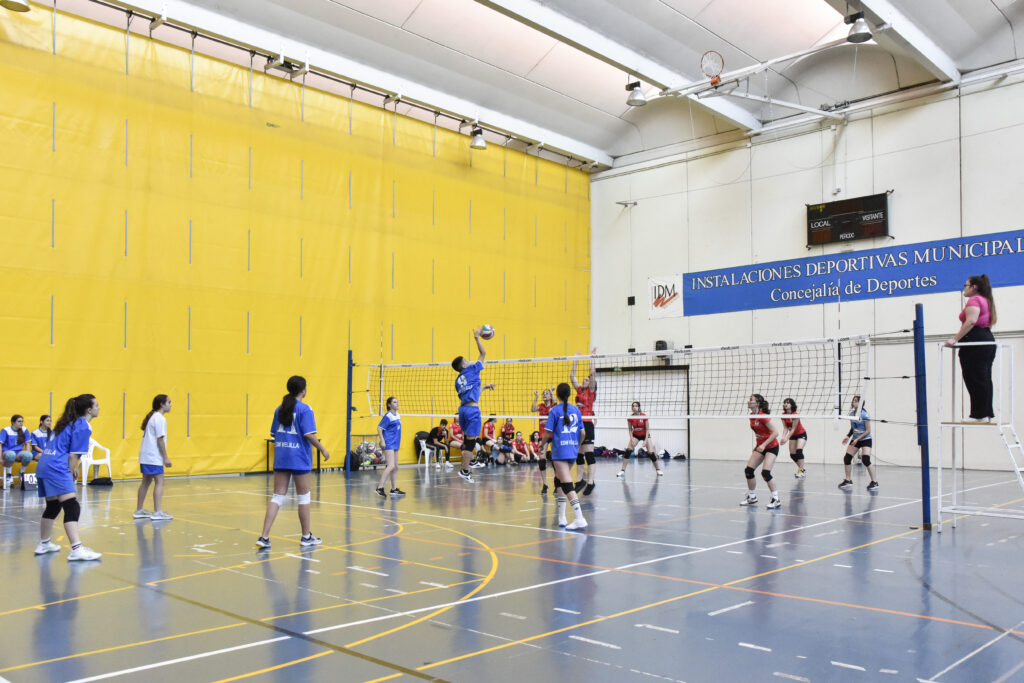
567 611
637 540
369 585
1006 676
657 628
848 666
896 671
520 617
312 571
968 656
843 566
362 569
770 557
435 585
885 571
755 647
190 658
395 590
301 557
735 552
791 677
729 609
595 642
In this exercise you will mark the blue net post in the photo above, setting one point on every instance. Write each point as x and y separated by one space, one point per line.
348 417
922 416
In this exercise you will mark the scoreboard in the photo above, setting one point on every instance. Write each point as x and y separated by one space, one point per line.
848 219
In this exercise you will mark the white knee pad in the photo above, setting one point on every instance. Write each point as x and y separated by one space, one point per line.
303 498
278 499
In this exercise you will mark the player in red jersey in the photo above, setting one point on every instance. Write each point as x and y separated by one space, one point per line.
765 451
586 394
543 407
457 437
793 431
520 451
639 433
534 447
487 443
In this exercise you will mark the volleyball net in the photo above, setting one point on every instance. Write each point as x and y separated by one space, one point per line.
819 375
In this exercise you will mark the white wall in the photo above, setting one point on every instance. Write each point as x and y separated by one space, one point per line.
955 166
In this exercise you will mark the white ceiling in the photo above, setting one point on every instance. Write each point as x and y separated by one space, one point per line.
559 67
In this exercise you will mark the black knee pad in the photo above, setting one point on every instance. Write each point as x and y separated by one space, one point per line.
847 459
653 457
580 459
72 510
866 459
748 472
557 482
52 509
469 444
542 464
566 487
766 475
590 458
796 457
800 453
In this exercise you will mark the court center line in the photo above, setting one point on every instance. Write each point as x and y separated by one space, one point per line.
976 651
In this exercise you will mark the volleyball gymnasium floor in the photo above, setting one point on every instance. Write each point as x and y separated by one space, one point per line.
672 581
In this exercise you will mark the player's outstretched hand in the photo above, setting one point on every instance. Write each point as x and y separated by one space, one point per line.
489 386
476 332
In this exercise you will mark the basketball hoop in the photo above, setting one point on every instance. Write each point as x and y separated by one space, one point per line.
711 65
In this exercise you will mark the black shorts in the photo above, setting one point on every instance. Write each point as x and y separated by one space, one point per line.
863 443
588 434
774 450
797 437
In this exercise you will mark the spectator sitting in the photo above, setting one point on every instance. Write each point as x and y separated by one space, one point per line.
437 440
520 452
16 445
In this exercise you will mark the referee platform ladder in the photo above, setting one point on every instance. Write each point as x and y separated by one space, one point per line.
952 501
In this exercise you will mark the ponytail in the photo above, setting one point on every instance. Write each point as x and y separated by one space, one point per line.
42 422
73 409
563 392
984 288
158 401
286 411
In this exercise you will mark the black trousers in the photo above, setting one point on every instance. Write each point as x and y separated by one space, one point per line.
976 365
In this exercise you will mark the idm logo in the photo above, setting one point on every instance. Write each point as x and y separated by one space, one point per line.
663 295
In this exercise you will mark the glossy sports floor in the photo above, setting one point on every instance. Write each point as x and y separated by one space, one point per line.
672 581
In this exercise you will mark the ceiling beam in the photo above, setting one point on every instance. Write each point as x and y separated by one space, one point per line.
570 32
905 33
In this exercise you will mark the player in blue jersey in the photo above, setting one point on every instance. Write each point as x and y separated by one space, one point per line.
70 440
294 432
564 429
858 438
16 446
468 387
389 431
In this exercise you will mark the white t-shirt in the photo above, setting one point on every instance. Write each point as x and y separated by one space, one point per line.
149 452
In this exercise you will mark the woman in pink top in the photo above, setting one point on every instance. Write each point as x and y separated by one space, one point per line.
977 319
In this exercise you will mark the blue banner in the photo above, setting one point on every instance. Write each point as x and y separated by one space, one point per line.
923 268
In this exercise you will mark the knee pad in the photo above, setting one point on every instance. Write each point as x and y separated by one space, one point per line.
766 475
748 472
303 498
652 456
800 453
797 457
566 487
580 459
590 458
72 510
866 459
847 459
52 509
469 444
542 463
278 499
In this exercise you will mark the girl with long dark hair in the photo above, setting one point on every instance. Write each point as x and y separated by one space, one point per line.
766 449
153 459
793 431
639 436
976 321
564 428
294 432
389 431
16 446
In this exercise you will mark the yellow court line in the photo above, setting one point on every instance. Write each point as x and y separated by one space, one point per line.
274 668
120 647
353 603
44 605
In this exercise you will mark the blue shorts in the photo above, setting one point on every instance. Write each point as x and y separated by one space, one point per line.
152 469
469 420
392 446
51 487
294 473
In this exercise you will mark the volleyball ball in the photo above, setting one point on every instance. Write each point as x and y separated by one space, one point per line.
487 332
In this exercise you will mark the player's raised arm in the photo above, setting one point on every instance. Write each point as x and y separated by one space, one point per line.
479 345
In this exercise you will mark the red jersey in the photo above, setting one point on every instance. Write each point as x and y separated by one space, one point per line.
535 447
520 446
543 409
585 401
638 426
456 432
762 428
798 430
488 430
508 432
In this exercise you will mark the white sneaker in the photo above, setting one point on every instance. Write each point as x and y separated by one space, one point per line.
142 514
620 474
437 466
800 474
477 465
562 521
448 467
83 553
263 542
661 473
577 524
160 515
466 475
749 500
774 503
311 540
46 547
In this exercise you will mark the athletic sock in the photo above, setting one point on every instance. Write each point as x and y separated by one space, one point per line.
76 546
560 510
577 511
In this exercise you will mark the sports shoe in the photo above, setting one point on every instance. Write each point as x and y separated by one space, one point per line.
800 474
580 485
161 515
81 553
576 525
873 486
465 474
142 514
311 540
544 489
477 464
380 492
448 467
774 503
588 489
620 474
749 500
46 546
562 521
263 542
437 466
661 472
846 484
397 492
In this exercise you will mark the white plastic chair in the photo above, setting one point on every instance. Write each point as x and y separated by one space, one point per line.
90 460
427 452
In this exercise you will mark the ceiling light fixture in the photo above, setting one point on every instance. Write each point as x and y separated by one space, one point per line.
15 5
477 141
860 32
636 95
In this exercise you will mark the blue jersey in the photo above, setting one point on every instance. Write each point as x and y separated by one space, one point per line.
858 427
39 438
292 450
74 438
391 425
565 440
9 439
468 383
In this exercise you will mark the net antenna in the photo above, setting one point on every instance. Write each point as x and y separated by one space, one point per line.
706 383
711 65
